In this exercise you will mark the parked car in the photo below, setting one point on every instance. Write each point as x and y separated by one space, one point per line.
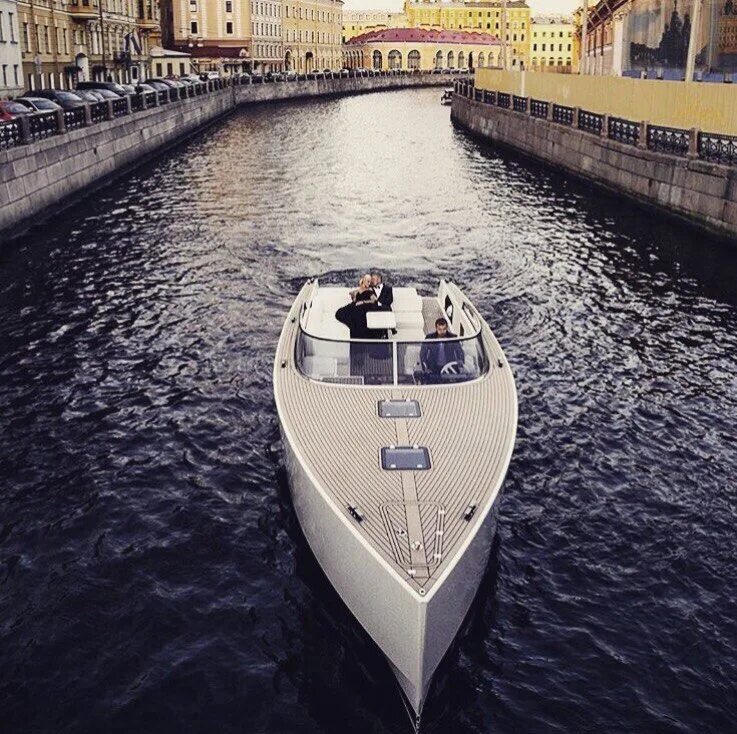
65 100
143 88
38 104
465 70
291 76
129 88
112 86
104 94
89 95
158 85
9 110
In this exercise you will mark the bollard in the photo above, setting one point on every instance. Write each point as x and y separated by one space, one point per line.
87 114
128 104
25 129
605 126
550 111
693 143
576 113
60 122
109 114
642 137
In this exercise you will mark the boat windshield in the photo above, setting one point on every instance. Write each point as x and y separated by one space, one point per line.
388 362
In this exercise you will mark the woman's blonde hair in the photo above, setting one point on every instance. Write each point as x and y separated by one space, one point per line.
364 281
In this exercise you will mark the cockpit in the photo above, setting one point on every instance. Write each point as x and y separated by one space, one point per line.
403 356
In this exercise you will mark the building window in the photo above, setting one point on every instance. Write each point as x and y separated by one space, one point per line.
229 27
192 6
228 6
25 37
193 27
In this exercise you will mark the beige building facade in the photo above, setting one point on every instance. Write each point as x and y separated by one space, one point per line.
418 48
483 16
552 44
63 43
356 22
11 61
312 32
217 33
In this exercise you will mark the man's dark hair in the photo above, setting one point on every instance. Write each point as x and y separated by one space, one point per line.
441 322
377 274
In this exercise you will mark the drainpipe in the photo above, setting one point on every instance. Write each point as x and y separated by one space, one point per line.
504 35
693 40
584 36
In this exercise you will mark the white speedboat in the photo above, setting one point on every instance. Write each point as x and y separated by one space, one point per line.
396 451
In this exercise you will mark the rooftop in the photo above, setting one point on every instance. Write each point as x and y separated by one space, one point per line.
423 35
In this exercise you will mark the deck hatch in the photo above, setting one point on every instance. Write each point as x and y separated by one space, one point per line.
405 458
399 409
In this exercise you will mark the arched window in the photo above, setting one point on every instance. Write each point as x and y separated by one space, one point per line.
461 59
560 62
439 60
395 59
377 59
413 60
568 62
470 59
534 62
481 59
451 60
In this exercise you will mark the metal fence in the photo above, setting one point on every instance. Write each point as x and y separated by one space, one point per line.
40 125
711 147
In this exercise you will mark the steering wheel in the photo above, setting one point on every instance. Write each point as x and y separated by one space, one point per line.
452 368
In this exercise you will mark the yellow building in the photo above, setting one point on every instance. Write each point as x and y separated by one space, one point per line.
481 16
420 48
312 32
356 22
552 45
65 42
218 33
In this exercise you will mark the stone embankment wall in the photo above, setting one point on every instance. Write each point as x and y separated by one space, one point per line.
46 175
699 191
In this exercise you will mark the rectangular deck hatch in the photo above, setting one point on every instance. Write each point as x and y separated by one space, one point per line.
399 409
405 458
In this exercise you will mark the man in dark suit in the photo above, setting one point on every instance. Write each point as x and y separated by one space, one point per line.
384 293
434 357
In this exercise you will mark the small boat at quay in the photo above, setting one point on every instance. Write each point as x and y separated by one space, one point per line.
396 450
447 97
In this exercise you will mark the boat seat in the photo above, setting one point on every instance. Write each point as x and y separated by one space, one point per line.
406 299
409 319
319 367
409 334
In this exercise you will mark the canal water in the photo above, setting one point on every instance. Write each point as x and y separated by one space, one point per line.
152 574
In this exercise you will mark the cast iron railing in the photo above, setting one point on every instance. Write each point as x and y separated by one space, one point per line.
717 148
538 108
42 125
562 114
74 118
590 122
711 147
624 131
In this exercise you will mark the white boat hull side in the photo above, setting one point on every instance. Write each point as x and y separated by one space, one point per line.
384 605
414 633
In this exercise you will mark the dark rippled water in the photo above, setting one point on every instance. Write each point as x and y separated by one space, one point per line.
152 575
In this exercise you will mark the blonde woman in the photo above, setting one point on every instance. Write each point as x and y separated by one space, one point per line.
354 314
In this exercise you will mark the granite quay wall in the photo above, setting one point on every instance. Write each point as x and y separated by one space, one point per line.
48 160
655 166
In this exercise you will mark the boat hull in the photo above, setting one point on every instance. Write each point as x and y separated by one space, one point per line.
413 632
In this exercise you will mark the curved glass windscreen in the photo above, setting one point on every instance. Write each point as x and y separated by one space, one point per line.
386 362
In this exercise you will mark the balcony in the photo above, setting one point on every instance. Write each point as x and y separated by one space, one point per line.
83 10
